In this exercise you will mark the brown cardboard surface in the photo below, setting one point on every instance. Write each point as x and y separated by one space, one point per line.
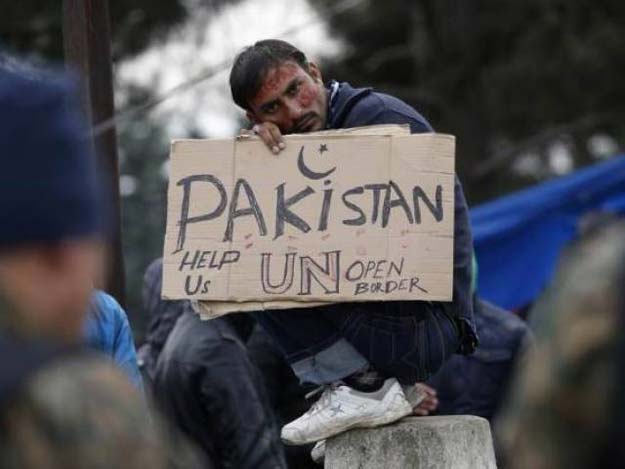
351 215
214 309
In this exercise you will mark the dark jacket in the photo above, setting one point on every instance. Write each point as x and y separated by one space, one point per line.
206 382
355 107
476 385
161 316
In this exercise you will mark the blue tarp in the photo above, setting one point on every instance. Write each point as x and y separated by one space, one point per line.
519 237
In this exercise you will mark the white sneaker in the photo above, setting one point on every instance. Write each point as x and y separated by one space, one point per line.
340 408
414 395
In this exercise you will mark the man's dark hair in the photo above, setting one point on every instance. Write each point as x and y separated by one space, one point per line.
252 64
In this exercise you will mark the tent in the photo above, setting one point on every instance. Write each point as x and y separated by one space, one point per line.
518 238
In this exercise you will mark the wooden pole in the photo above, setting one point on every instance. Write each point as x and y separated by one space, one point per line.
87 45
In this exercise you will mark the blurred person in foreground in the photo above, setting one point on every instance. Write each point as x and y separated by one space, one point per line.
360 353
60 406
567 409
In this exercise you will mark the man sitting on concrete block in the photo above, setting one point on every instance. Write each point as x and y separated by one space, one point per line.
362 353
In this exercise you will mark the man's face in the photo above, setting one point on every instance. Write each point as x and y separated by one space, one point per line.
292 98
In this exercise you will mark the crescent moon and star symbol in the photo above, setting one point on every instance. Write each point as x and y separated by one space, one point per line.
307 171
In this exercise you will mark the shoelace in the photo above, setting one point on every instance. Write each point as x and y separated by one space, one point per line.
325 396
316 391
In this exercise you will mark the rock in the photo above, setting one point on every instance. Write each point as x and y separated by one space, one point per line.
458 442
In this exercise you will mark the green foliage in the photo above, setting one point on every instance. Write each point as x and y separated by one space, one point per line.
33 29
506 77
36 28
144 151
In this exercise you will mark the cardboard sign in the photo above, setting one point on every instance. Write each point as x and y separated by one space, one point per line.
336 216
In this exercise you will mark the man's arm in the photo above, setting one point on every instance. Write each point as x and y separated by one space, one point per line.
376 110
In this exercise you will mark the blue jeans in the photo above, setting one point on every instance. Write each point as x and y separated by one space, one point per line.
407 340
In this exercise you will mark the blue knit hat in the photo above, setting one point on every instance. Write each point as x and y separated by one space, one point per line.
49 189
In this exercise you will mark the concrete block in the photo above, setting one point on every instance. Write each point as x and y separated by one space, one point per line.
446 442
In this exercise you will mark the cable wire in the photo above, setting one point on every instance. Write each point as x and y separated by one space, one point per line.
211 72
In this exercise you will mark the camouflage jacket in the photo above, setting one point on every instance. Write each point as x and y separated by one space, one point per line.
75 410
562 410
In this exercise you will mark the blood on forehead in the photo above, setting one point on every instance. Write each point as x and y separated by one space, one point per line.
277 78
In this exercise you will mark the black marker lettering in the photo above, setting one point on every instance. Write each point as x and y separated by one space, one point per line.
253 209
198 283
327 277
376 188
398 268
391 286
287 274
400 201
361 219
185 262
202 260
348 273
185 219
414 283
230 257
378 270
325 209
437 212
212 264
370 267
283 214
